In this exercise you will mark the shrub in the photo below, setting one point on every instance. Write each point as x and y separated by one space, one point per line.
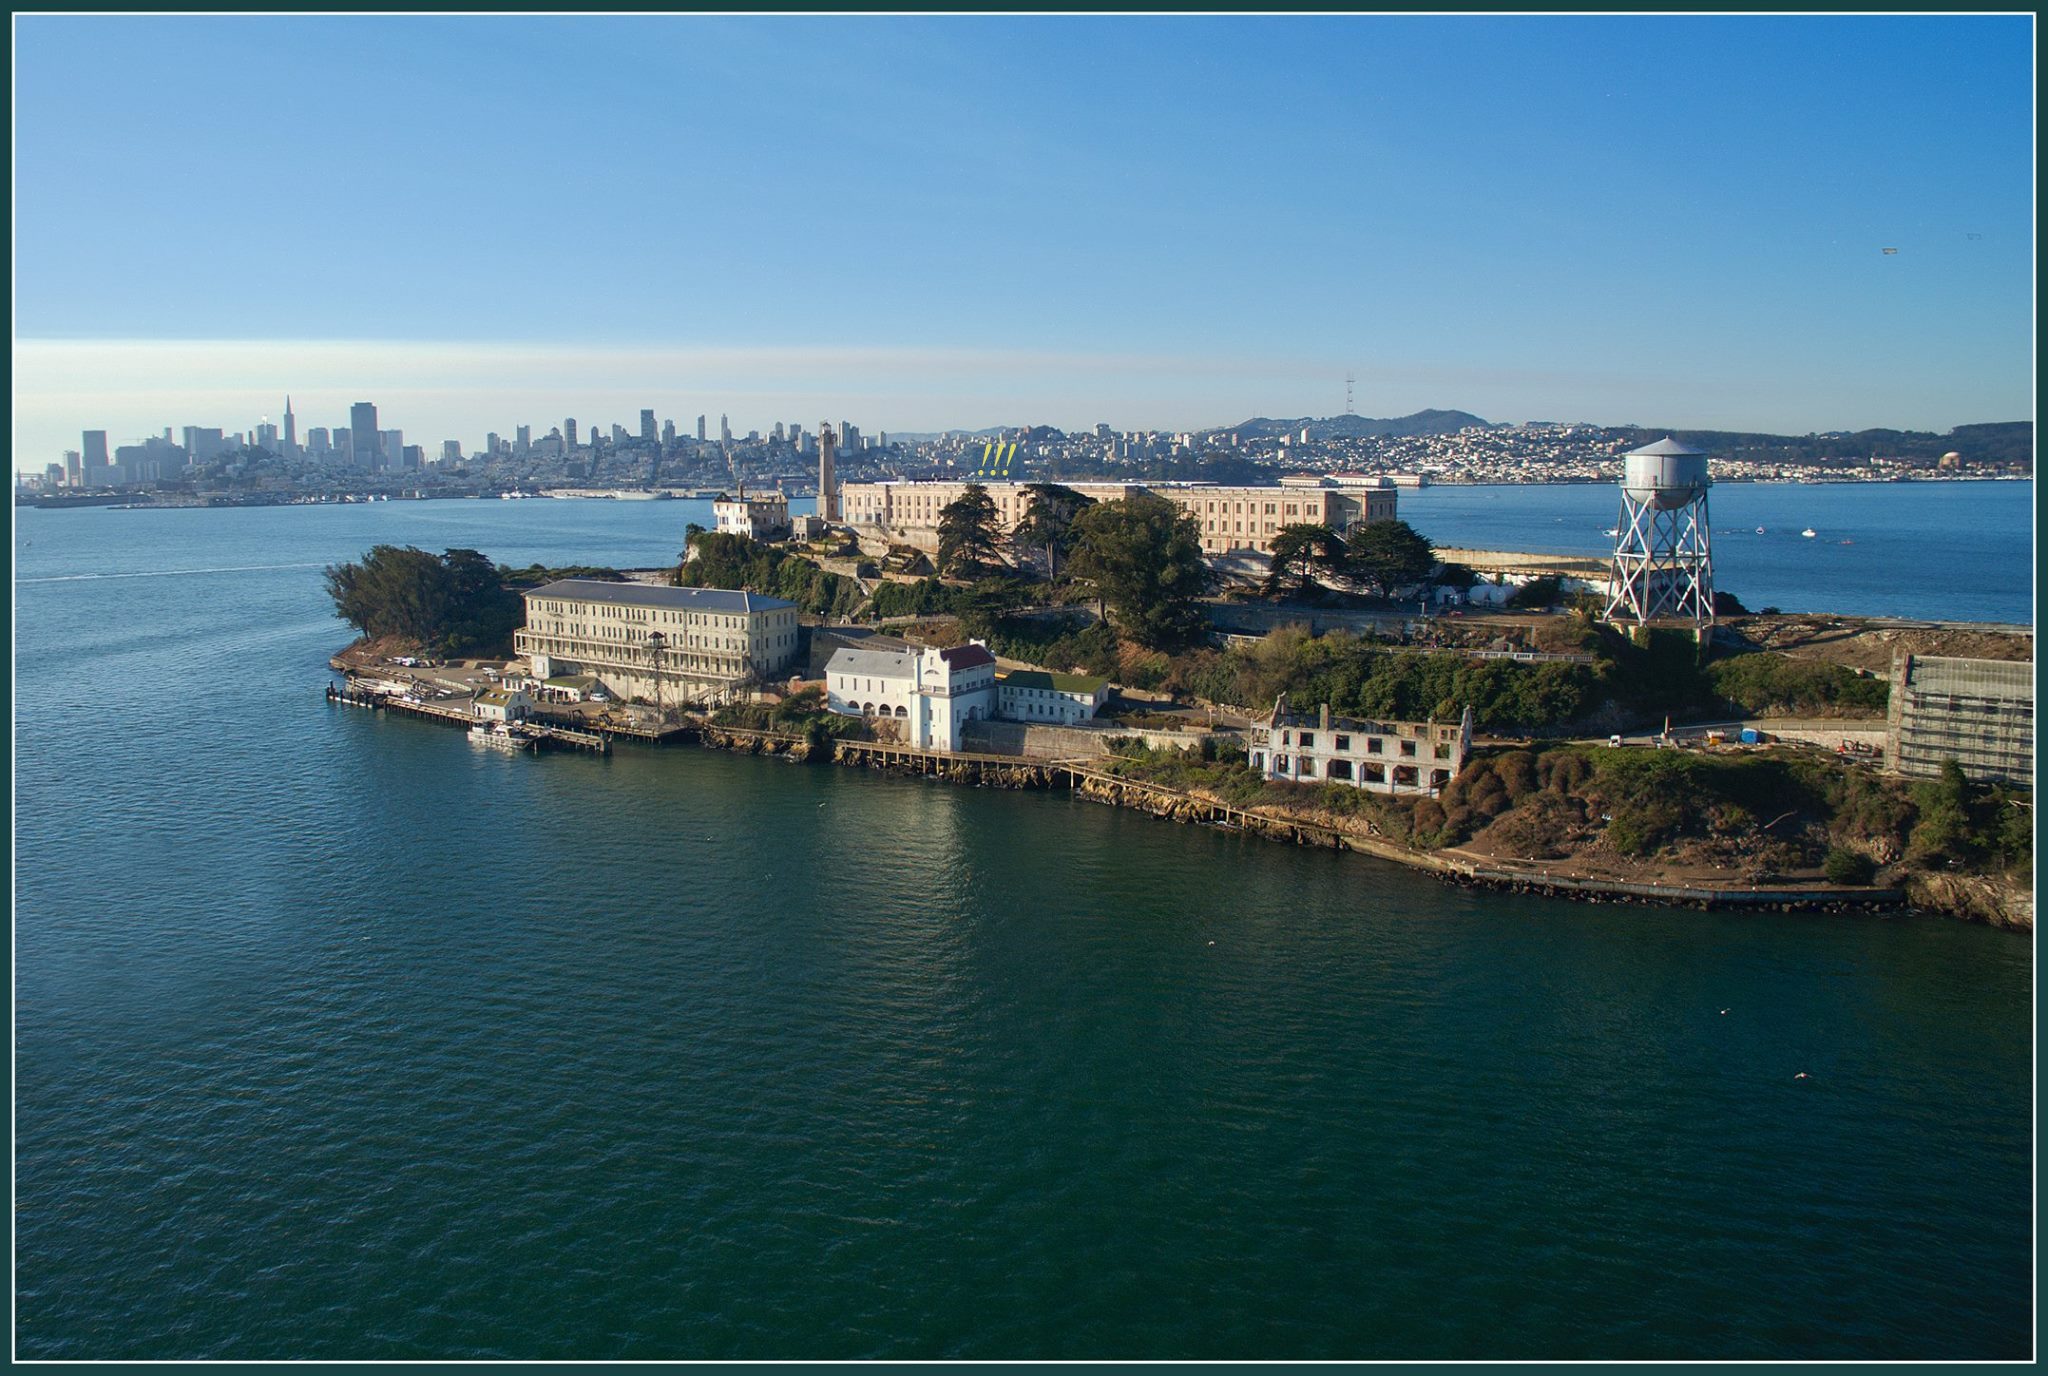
1845 866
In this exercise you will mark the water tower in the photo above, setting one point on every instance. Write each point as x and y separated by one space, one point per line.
1663 566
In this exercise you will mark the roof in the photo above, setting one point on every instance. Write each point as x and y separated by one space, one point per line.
872 663
573 681
967 657
652 595
1665 446
497 697
1060 683
2012 679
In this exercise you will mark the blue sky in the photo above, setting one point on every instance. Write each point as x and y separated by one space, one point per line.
924 222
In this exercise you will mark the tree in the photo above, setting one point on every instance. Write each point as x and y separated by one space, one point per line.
452 603
1145 558
968 534
1302 555
1385 555
1048 522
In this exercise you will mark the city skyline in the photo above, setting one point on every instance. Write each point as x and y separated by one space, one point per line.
1176 223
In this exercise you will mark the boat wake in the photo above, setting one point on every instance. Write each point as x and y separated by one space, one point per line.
167 573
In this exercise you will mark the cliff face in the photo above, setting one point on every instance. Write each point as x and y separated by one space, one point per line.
1997 902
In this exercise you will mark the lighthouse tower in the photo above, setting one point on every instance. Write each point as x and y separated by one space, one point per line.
1663 567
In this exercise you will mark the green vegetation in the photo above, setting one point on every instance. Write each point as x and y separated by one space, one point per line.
454 603
1763 814
1386 555
1145 559
1304 555
802 713
1063 643
969 539
1048 523
1374 559
1776 683
1362 678
717 560
1960 825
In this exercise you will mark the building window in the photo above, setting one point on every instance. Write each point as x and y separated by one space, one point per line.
1373 745
1308 767
1308 740
1280 764
1443 752
1340 769
1408 749
1344 743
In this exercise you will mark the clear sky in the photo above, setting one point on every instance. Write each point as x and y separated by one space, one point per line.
916 223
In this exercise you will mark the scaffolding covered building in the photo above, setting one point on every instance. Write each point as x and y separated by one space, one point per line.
1977 712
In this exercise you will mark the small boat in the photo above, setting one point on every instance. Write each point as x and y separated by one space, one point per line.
498 734
1611 532
1759 530
1808 532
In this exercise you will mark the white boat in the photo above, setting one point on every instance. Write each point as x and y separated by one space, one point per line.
497 734
1808 532
1759 530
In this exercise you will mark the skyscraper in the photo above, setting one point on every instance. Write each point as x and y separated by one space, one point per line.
391 446
668 434
524 444
724 431
74 469
700 429
647 426
362 427
569 432
291 430
96 462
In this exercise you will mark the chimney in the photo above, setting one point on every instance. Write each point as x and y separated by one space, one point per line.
1323 718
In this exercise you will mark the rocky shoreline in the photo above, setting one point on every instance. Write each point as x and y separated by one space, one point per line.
1970 898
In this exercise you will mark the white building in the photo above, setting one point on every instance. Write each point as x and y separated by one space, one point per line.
763 516
1031 695
501 704
929 694
1381 756
656 644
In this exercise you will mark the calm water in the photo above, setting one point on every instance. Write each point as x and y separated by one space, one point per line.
1952 551
337 1037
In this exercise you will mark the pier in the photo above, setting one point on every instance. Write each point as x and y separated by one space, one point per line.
541 735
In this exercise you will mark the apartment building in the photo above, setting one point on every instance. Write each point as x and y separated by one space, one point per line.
653 644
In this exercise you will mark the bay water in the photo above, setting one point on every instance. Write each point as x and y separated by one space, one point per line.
338 1037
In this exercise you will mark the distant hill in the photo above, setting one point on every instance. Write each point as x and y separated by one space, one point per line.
1996 442
1431 422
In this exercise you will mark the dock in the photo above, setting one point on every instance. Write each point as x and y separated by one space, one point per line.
541 735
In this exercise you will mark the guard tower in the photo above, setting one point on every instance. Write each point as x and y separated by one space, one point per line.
1663 566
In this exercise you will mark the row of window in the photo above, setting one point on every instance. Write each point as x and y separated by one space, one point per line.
1405 775
1374 745
659 616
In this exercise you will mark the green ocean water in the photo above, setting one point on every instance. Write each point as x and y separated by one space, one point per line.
339 1037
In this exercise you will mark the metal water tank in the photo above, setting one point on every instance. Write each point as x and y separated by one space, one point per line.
1665 475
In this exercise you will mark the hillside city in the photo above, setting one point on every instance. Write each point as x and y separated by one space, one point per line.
269 463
